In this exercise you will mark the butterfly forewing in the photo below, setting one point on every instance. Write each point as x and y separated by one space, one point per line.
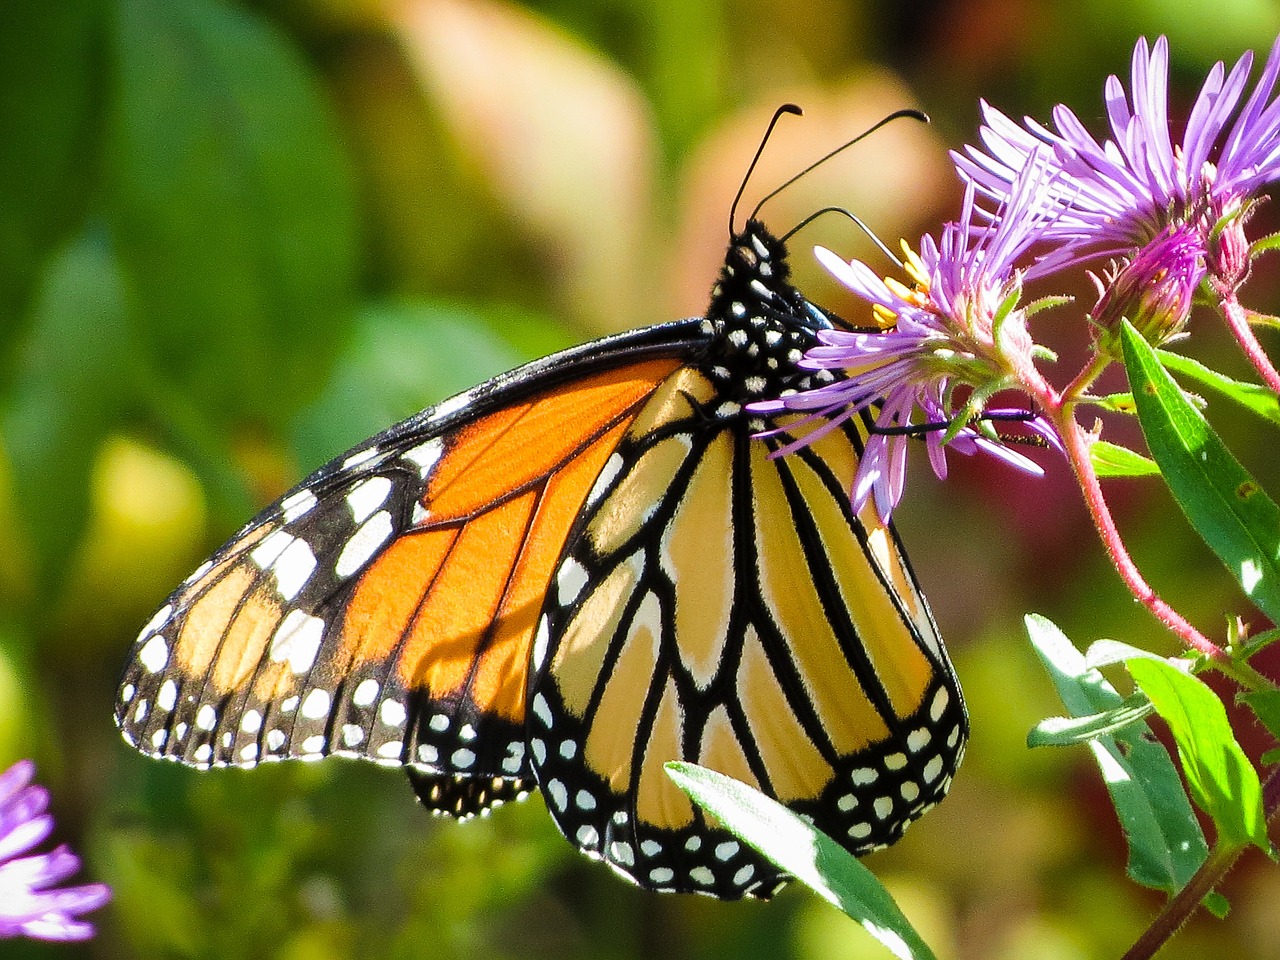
385 608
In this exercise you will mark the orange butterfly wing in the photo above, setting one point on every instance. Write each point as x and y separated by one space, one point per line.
385 608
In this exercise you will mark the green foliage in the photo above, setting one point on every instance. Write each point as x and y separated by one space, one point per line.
1165 843
1222 500
231 199
1113 460
1222 780
1250 396
808 854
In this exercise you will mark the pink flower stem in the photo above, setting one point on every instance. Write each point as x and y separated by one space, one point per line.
1077 443
1238 322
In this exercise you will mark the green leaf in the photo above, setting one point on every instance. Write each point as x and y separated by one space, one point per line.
403 356
51 72
1103 653
1251 396
1271 757
70 386
1166 846
67 396
1221 778
1116 402
808 854
1265 705
1070 731
233 203
1113 460
1233 515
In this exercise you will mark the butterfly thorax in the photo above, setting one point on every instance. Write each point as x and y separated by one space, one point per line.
759 324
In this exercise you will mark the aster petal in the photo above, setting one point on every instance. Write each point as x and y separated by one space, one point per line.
858 277
39 871
31 903
14 779
24 836
1209 114
1249 127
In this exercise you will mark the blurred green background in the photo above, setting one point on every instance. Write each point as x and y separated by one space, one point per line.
236 238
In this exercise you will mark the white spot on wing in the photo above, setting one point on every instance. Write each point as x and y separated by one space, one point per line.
603 482
367 496
372 534
392 713
425 455
359 457
154 655
366 692
297 505
159 620
297 640
570 579
206 718
293 568
167 697
316 705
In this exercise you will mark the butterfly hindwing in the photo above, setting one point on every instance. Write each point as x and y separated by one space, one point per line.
723 605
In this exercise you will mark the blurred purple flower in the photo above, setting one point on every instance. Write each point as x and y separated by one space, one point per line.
1118 195
959 325
31 903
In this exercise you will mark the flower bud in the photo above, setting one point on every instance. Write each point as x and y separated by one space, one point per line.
1155 290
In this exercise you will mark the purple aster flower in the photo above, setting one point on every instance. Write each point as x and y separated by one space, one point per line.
1154 290
961 325
31 903
1118 195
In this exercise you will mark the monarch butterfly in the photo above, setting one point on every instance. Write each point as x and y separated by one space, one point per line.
570 574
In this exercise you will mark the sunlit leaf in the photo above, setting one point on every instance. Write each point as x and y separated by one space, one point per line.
1113 460
813 858
1071 731
1166 846
1227 507
1251 396
1220 776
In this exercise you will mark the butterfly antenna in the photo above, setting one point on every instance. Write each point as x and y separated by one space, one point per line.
896 115
790 108
841 210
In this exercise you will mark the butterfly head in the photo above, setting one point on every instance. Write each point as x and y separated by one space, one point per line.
760 325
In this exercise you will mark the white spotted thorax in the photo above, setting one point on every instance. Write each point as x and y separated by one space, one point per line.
705 601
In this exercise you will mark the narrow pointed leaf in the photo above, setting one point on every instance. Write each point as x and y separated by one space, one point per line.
1165 843
1113 460
1070 731
1227 507
1251 396
806 853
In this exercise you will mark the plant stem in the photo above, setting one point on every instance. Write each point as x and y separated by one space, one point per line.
1077 444
1238 321
1180 907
